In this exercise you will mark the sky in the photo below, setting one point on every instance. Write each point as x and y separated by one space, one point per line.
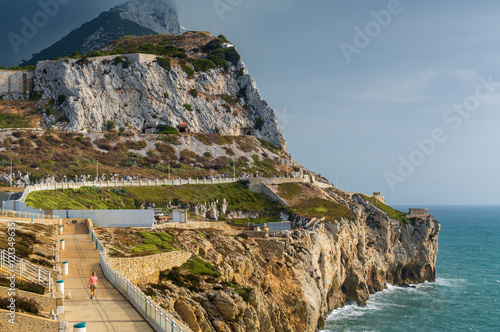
394 96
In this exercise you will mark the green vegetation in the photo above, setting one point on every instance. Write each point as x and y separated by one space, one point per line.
24 286
221 56
166 130
319 208
210 139
61 98
202 64
83 61
164 63
22 305
14 121
120 60
289 191
258 123
188 107
110 125
306 205
193 93
270 146
188 70
154 243
392 213
44 153
229 100
198 266
244 292
237 195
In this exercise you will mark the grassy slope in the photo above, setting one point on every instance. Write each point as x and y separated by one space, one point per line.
236 194
313 207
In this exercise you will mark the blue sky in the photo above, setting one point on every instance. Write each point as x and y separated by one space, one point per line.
386 120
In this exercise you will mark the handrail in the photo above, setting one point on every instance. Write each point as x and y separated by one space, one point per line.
25 269
153 313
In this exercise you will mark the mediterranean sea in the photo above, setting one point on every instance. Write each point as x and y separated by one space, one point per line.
466 294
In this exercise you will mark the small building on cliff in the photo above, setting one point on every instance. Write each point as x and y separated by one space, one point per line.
183 127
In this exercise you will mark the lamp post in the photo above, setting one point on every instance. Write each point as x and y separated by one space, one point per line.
11 173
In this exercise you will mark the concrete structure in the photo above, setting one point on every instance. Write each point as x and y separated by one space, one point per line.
179 215
21 207
110 311
379 197
248 131
16 85
418 213
183 127
112 218
278 226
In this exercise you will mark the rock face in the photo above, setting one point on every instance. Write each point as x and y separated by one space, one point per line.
292 283
157 15
143 95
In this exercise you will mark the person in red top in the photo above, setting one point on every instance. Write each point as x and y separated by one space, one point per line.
92 285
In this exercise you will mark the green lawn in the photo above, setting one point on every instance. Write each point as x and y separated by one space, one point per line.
237 195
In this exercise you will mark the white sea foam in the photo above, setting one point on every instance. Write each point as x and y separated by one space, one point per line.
379 301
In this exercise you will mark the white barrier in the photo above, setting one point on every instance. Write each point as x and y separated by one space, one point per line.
25 269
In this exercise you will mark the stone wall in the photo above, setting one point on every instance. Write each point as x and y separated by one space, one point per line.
217 225
12 84
45 303
256 234
24 322
143 270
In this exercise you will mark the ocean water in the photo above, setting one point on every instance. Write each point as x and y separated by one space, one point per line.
466 294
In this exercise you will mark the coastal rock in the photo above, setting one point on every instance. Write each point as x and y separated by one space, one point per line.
145 95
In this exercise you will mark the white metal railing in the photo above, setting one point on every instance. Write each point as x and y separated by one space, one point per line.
152 312
25 269
20 216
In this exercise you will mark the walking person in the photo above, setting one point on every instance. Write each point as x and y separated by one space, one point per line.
92 285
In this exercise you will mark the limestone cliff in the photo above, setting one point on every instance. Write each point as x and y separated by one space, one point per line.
292 283
135 92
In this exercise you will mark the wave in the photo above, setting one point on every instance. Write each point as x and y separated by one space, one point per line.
385 299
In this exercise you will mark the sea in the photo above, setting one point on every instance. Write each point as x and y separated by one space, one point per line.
466 294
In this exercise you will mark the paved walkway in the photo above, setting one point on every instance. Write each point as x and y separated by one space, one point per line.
110 311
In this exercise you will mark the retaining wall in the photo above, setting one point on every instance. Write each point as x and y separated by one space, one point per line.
143 270
45 303
24 322
12 84
217 225
263 188
112 218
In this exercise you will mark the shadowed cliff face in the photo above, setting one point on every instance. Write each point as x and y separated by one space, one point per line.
294 282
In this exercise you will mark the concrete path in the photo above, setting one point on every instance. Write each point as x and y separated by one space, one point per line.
110 311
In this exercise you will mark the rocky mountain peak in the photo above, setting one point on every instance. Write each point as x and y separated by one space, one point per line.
157 15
